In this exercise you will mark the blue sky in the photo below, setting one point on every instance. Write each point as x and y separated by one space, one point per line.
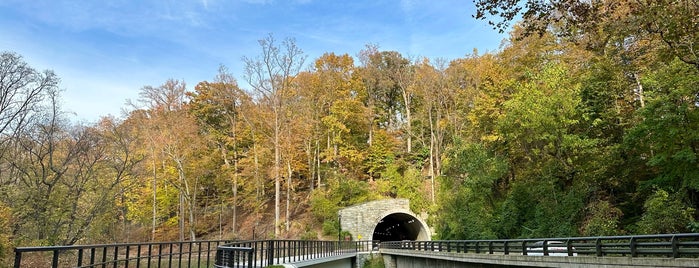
105 51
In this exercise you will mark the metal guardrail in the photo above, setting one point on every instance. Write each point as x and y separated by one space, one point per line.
270 252
227 256
664 245
262 253
155 255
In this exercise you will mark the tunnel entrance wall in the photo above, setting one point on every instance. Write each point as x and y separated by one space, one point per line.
362 220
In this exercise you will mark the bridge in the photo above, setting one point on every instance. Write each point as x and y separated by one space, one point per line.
399 237
667 250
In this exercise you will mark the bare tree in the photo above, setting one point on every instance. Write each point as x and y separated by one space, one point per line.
22 90
66 178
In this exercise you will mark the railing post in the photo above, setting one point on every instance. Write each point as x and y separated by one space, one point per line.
598 247
506 248
138 256
18 258
478 248
569 246
92 257
524 248
208 253
632 246
116 256
54 262
675 247
198 254
126 263
169 262
80 257
250 257
160 254
270 252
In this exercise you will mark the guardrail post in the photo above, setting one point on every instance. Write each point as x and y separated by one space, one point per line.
569 246
250 257
18 258
80 257
270 252
524 248
490 247
126 263
92 256
598 247
675 247
478 248
54 262
506 248
632 246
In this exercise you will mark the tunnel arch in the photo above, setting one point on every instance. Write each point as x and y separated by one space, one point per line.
400 226
384 220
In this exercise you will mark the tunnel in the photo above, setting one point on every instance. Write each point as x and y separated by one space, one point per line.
399 227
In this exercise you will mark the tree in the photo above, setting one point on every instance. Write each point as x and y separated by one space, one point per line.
64 179
332 94
388 77
665 136
22 90
218 107
596 23
270 75
466 200
431 86
665 214
176 139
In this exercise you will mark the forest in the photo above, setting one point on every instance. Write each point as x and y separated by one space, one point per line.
584 123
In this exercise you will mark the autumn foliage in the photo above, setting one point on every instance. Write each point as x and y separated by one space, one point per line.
559 133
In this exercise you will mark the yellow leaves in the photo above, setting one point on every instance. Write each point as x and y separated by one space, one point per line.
490 137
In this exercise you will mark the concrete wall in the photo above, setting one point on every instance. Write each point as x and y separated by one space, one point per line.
419 259
340 261
361 220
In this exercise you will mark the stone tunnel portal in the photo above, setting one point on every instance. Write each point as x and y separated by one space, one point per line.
384 220
398 227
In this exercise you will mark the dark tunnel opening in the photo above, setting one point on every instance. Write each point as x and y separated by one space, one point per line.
397 227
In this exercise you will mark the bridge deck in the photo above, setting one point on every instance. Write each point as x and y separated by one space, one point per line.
539 261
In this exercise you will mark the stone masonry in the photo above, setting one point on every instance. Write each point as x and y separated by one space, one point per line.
361 220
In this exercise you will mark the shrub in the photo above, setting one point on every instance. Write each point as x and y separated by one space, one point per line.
664 214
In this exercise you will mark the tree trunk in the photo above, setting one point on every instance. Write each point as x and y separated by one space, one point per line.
408 118
318 162
639 90
432 155
277 180
288 195
155 197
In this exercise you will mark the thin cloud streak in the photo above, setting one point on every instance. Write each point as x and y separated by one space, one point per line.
124 45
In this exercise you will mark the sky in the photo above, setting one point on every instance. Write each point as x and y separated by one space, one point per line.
105 51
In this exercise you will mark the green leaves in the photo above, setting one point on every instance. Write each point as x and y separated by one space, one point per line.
468 191
665 214
667 133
